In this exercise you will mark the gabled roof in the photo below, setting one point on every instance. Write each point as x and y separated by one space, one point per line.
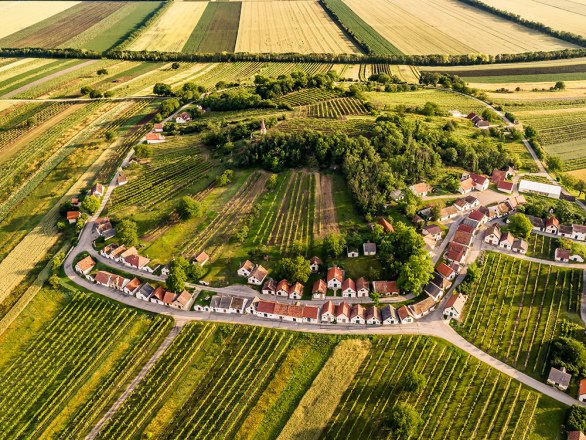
463 227
388 311
498 175
471 199
328 307
349 284
296 288
420 188
388 227
103 277
159 293
283 285
476 215
169 297
259 273
467 184
133 284
385 287
183 298
559 377
362 283
562 254
456 301
552 221
248 265
319 286
422 306
265 306
494 229
403 312
73 215
129 252
202 257
444 270
504 185
369 247
335 272
315 260
478 179
580 229
137 260
576 435
270 284
520 244
582 387
357 310
155 137
343 309
86 264
373 312
463 238
431 229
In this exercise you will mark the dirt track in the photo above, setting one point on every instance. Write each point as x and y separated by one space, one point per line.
326 223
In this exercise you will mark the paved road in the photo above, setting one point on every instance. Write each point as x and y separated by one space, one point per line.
136 380
488 247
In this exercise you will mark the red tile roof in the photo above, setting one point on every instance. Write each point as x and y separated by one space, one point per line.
385 287
403 312
478 179
296 288
582 387
159 293
504 185
349 284
265 307
315 260
184 298
361 283
476 215
444 269
386 225
202 257
335 272
328 307
86 264
465 228
73 215
463 238
133 284
319 286
343 309
552 221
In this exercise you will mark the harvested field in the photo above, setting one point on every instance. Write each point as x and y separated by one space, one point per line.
561 15
449 27
172 29
18 15
62 27
290 26
578 174
216 30
325 221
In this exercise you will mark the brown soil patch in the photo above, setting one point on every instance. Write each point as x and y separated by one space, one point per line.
326 222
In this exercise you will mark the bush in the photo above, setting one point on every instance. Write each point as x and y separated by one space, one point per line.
91 204
189 208
414 382
576 420
403 420
569 353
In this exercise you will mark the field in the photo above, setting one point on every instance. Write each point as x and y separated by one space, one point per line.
256 383
289 26
15 18
335 108
448 27
515 308
561 15
64 372
217 29
446 101
171 30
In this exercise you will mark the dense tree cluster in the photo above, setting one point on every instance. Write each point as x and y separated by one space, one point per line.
569 353
565 211
271 88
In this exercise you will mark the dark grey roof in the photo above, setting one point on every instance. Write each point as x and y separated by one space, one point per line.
388 312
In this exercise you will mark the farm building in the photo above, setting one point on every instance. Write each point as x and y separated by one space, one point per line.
552 225
405 315
137 262
373 316
576 435
352 252
422 308
159 127
202 258
282 288
385 288
446 271
228 304
362 287
257 275
72 216
389 315
507 240
582 391
449 212
145 292
245 269
505 186
520 246
287 312
183 118
579 232
296 291
154 138
269 287
480 182
433 231
559 378
343 311
328 312
421 189
369 248
319 289
334 277
85 266
314 264
132 287
387 226
97 190
358 314
466 185
543 189
348 288
183 301
121 180
455 306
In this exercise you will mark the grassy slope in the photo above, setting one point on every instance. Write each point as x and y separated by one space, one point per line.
217 29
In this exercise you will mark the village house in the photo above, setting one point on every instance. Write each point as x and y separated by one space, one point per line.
565 231
334 277
373 316
126 253
104 228
137 262
296 291
319 289
505 186
462 205
369 248
121 179
169 298
579 232
477 216
287 312
422 308
576 435
158 296
111 280
352 252
75 202
430 243
582 390
433 231
348 288
72 216
182 118
269 287
405 315
145 292
387 226
448 213
389 315
559 378
440 282
385 288
466 185
97 190
282 288
507 241
537 223
565 256
245 269
154 138
362 287
480 182
433 291
85 266
159 127
520 246
466 228
397 195
455 306
493 235
421 189
228 304
257 275
315 264
183 301
358 314
132 287
456 253
462 237
328 312
343 311
166 270
446 271
552 225
201 259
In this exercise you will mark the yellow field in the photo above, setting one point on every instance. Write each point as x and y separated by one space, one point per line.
172 29
448 27
289 26
578 174
19 15
562 15
573 90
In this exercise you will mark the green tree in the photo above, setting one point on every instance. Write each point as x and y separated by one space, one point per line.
189 208
91 204
554 163
580 187
143 151
85 90
520 226
127 232
162 89
403 420
294 269
57 262
414 382
560 85
225 178
54 281
175 66
416 272
272 181
80 222
61 226
101 72
334 244
110 135
242 234
177 275
576 420
569 353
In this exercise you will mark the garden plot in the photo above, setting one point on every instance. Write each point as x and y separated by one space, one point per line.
290 26
449 27
514 309
172 29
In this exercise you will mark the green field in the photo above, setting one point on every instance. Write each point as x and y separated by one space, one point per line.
514 310
63 373
216 30
447 101
246 383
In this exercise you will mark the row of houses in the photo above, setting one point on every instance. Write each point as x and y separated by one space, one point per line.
134 287
128 257
254 273
566 255
478 121
552 225
472 182
500 179
495 237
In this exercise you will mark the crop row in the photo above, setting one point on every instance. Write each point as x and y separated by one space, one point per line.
39 381
336 108
308 96
513 316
